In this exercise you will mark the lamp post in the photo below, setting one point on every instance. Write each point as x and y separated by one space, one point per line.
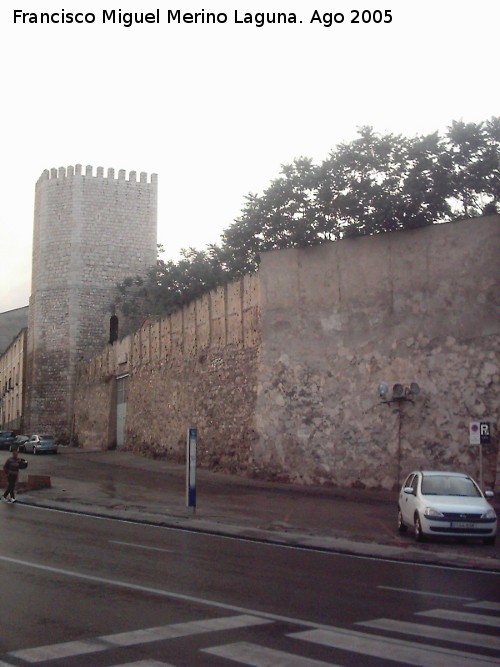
399 394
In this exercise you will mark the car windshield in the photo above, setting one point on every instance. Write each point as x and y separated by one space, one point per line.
46 438
444 485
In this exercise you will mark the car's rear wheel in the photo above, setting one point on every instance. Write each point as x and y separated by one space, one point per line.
402 527
419 533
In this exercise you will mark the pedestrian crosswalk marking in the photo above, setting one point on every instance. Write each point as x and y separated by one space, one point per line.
259 656
365 643
105 642
462 616
411 653
434 632
55 651
182 630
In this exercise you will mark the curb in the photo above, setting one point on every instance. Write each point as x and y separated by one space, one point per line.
411 554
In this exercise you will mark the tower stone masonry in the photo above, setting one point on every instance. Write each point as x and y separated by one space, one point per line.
90 232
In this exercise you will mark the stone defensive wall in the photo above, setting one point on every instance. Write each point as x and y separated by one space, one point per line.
281 371
195 367
418 306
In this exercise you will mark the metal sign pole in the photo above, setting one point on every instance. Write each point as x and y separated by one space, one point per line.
191 468
481 466
484 439
475 439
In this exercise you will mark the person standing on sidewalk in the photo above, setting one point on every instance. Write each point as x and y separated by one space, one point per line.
11 470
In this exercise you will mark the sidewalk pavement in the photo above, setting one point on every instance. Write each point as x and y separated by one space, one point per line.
130 487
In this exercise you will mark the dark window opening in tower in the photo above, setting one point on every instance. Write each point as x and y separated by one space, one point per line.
113 329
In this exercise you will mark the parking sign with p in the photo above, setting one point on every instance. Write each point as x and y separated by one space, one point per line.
484 433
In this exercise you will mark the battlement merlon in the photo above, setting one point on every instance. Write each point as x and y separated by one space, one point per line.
70 172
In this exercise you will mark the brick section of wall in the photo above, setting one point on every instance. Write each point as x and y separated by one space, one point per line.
214 391
196 367
93 425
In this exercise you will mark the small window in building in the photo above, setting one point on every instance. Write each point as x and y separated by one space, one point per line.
113 329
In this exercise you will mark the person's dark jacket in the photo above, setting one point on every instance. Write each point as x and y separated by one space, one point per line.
11 467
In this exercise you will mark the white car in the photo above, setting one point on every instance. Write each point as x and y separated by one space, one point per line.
445 503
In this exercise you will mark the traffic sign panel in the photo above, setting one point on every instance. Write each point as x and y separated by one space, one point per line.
484 433
474 433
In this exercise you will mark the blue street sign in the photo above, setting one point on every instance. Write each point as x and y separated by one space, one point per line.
191 467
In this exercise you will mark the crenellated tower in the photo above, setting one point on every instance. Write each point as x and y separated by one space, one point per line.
90 232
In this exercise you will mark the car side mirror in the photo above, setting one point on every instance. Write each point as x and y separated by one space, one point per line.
489 494
409 490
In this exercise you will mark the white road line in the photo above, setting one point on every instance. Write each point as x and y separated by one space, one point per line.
258 656
140 546
411 653
485 604
434 632
148 635
429 593
145 663
462 616
190 599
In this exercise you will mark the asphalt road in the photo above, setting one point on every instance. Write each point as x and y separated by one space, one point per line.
121 484
82 591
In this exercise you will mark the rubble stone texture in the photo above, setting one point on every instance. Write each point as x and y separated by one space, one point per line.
90 232
279 371
337 320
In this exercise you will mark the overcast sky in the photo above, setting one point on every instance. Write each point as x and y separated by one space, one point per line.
215 110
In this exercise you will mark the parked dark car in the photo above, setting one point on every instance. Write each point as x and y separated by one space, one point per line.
19 443
6 439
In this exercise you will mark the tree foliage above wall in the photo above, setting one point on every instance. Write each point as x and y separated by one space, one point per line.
375 183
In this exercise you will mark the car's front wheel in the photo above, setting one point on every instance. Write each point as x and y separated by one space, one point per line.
419 533
402 527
